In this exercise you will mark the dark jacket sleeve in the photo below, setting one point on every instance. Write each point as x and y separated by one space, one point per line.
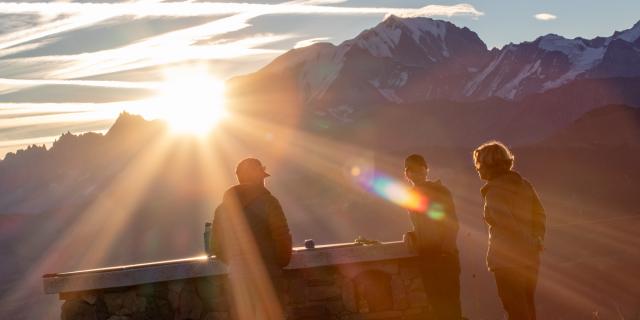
216 236
280 232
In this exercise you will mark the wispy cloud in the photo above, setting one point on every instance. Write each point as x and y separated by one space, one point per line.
49 28
545 16
173 46
308 42
462 9
8 85
22 115
193 9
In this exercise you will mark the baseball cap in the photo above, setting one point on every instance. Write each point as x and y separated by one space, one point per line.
251 164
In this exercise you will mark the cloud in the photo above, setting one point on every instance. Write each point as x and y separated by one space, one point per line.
462 9
308 42
193 9
318 2
9 83
545 16
170 47
12 22
49 28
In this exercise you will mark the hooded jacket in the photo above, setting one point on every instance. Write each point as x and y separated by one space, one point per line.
250 223
436 229
516 221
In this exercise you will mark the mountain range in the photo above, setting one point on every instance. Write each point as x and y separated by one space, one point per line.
421 61
406 60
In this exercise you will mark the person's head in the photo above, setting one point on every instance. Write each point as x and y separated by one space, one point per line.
492 159
415 168
251 171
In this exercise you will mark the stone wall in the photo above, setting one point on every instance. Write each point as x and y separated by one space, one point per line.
380 289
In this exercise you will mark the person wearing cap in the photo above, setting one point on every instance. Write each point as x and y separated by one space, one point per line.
516 221
435 228
251 235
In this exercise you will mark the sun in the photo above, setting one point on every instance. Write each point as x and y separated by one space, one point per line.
190 100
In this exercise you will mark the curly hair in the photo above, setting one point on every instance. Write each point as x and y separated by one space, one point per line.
493 155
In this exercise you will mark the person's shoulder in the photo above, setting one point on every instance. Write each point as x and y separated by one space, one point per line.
528 187
438 186
270 198
526 182
496 186
496 190
231 191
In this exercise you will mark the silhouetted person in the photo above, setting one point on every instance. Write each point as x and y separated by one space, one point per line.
436 227
516 221
250 233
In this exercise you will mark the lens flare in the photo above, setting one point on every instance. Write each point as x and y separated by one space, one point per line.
399 194
355 171
394 191
436 211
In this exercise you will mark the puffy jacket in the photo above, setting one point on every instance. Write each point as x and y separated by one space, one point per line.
516 221
250 222
435 229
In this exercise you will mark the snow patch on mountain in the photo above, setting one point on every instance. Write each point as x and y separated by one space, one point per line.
554 42
420 26
342 113
390 95
473 85
582 56
588 59
387 87
380 41
510 90
395 81
401 80
319 70
384 38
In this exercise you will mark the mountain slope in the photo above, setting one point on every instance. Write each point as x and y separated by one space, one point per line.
611 126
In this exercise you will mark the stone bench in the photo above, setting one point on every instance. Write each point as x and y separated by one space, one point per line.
343 281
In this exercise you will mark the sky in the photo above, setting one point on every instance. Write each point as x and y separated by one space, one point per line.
75 65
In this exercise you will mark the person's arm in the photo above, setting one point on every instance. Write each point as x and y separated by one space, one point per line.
538 219
280 232
497 209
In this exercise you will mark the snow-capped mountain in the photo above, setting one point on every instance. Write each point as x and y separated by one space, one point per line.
406 60
399 60
552 61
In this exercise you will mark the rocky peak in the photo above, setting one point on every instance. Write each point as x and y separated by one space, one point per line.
436 40
629 35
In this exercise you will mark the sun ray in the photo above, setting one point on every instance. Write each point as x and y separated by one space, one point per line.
99 224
